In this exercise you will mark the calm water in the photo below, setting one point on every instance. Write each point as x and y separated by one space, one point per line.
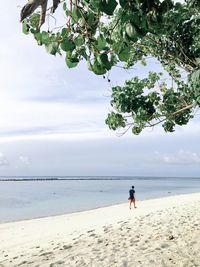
31 199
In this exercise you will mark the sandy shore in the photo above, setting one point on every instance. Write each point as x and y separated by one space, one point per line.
160 232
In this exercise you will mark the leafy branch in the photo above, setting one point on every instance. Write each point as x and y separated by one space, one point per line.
110 33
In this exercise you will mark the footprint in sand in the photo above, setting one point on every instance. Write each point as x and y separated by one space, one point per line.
92 235
56 248
96 250
99 241
48 253
90 231
57 263
164 245
125 263
67 246
107 229
22 263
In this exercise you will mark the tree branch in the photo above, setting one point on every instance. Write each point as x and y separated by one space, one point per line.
32 5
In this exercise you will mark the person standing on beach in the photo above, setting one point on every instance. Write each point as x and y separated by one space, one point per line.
132 197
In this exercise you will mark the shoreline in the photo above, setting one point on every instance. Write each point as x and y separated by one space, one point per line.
101 207
170 194
66 238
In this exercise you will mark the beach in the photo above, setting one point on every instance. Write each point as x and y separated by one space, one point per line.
159 232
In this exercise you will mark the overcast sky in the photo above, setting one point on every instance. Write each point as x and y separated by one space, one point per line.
52 118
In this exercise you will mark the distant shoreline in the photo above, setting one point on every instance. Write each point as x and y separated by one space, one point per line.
84 178
60 179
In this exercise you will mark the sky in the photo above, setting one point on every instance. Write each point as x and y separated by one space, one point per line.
52 119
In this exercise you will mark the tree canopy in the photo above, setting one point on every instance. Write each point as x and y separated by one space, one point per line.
109 32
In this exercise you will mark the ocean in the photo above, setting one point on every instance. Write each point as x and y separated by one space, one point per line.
32 197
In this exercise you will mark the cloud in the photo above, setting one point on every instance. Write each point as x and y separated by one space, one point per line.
24 160
182 157
28 119
3 160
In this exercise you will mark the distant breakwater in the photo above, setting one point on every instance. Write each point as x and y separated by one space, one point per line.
59 179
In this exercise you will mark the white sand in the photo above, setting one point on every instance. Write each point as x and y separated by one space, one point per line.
160 232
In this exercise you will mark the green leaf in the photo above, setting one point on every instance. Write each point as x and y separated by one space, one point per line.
67 45
198 61
144 24
38 37
136 130
45 37
131 32
108 6
103 60
97 68
168 126
96 3
165 6
90 19
34 20
124 53
195 76
52 48
123 3
116 47
101 42
82 52
71 62
76 14
25 27
135 18
64 32
79 40
64 5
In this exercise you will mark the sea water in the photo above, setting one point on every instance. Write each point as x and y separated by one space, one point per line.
33 197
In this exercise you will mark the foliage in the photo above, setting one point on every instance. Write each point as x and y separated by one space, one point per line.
109 32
